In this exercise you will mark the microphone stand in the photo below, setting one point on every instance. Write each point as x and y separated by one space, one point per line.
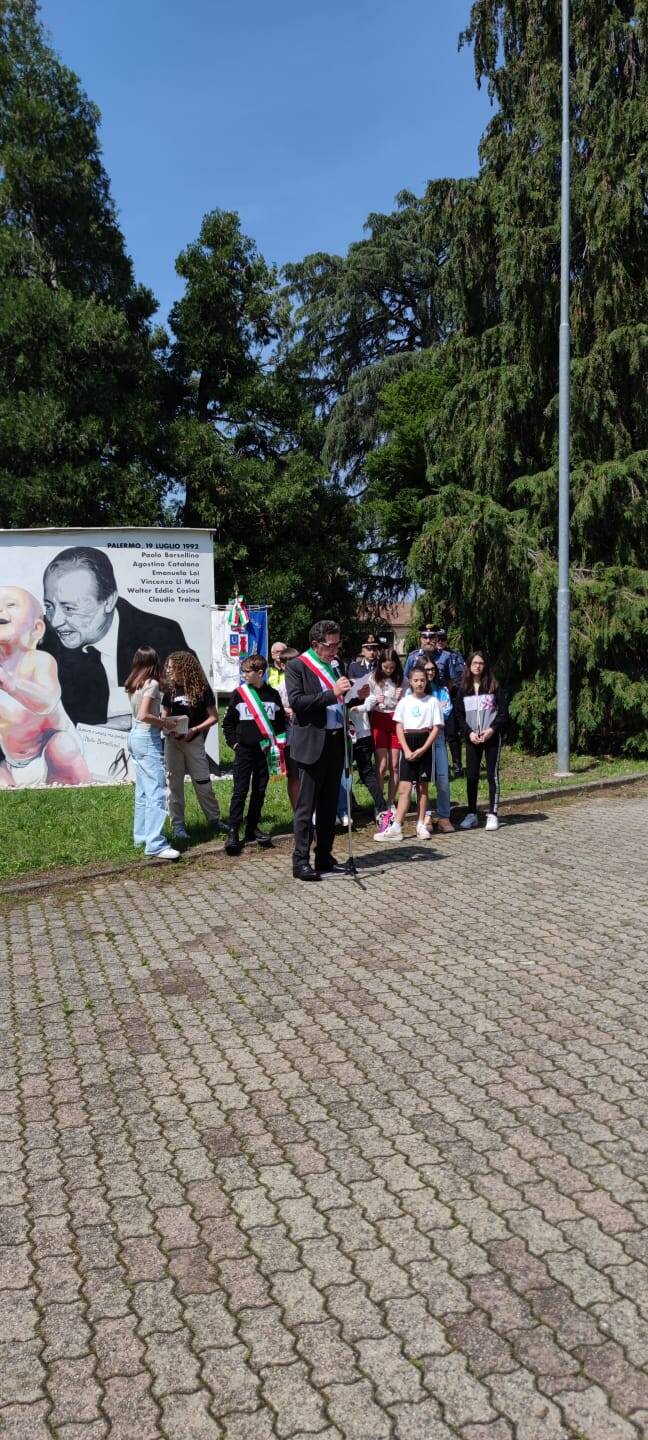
348 770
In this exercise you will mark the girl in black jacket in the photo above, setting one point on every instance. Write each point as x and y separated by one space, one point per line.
482 713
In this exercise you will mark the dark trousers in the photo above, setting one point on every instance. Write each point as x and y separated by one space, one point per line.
250 764
319 785
491 753
363 752
453 737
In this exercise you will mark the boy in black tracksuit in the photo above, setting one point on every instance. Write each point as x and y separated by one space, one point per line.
250 756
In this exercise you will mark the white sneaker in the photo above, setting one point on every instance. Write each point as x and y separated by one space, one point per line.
422 832
470 822
167 854
344 821
391 835
492 822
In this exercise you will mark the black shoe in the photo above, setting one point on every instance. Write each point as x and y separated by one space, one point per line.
305 872
260 836
232 844
333 867
458 772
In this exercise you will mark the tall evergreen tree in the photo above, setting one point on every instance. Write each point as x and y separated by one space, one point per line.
491 538
80 422
361 320
394 494
247 441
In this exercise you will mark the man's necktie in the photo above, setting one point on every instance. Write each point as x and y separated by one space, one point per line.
99 682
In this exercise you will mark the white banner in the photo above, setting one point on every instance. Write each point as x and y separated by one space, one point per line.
225 666
74 607
229 646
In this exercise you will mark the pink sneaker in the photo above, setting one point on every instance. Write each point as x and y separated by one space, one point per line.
384 820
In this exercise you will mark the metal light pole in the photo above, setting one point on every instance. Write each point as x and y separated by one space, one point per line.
562 693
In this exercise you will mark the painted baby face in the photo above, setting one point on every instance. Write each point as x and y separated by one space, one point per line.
21 617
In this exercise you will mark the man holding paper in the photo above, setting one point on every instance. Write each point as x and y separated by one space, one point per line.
316 693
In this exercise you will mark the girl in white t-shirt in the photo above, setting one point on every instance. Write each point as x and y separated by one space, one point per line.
418 720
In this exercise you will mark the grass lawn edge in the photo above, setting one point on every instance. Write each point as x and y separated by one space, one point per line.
28 882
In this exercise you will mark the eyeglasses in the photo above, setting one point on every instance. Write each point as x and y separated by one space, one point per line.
330 644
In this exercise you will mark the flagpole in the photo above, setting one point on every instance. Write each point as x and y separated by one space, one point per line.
563 675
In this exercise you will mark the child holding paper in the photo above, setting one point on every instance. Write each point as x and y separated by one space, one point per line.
189 701
254 725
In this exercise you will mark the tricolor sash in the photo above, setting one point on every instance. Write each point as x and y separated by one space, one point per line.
328 680
274 744
325 672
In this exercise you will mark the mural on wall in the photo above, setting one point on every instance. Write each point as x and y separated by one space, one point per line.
74 608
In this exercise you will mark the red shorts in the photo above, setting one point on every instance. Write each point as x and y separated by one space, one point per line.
383 730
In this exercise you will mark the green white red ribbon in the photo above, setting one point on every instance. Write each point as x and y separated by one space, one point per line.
274 744
325 672
238 615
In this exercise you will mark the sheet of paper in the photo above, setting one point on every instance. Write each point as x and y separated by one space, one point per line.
362 683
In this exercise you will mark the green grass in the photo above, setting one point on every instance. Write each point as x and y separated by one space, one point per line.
43 829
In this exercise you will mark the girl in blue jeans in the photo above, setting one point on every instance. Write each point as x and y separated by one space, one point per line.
442 776
146 752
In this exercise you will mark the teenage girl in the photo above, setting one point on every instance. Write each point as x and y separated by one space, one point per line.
188 694
441 770
482 713
385 690
145 748
419 721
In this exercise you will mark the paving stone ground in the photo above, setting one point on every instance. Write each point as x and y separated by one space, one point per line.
362 1160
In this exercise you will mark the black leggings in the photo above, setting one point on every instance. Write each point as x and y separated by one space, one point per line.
491 752
363 754
453 740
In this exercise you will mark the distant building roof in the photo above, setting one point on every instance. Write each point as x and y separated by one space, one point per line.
399 616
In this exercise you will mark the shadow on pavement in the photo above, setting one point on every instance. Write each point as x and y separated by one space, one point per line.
404 854
522 819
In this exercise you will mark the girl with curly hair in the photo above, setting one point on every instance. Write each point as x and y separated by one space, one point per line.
189 699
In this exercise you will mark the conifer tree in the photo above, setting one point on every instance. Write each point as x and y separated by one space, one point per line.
247 443
489 549
80 436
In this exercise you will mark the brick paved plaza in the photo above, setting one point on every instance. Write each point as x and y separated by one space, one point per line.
341 1160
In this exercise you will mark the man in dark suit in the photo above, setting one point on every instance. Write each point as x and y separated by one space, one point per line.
93 635
317 747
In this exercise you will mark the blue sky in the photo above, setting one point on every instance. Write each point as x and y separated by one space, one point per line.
302 115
